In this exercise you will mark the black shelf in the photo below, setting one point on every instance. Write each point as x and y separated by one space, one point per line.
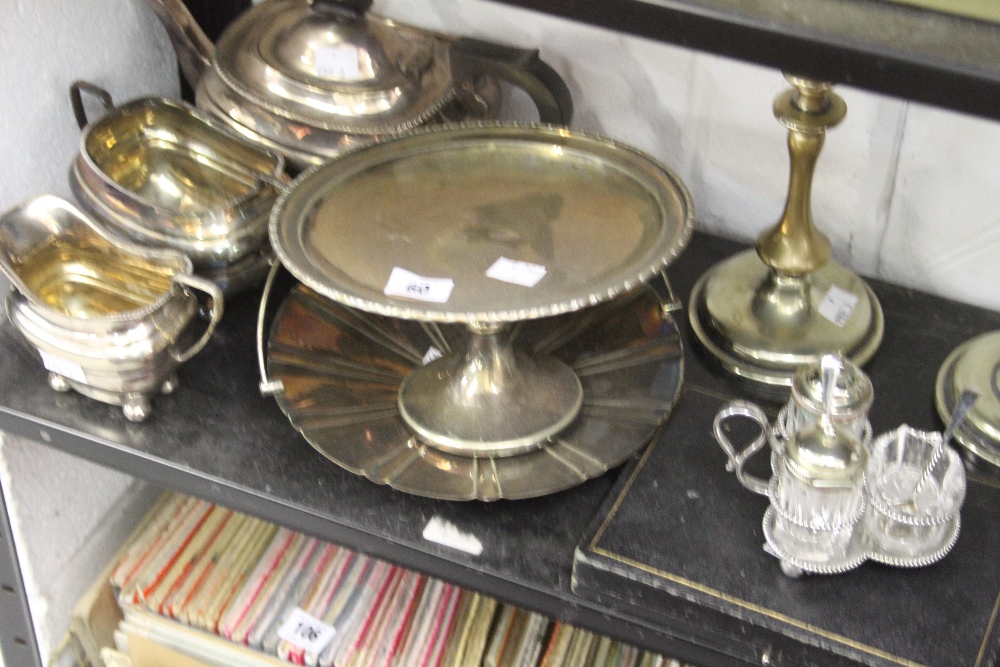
895 49
218 439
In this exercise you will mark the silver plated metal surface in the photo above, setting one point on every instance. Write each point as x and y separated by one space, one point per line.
767 351
974 366
448 202
301 145
853 556
862 548
166 175
311 79
336 372
110 319
363 75
490 397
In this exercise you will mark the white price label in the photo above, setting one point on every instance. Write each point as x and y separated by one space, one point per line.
306 631
337 62
410 285
516 271
442 532
432 354
61 366
837 305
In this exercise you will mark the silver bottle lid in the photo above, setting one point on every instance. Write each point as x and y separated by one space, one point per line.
826 454
852 390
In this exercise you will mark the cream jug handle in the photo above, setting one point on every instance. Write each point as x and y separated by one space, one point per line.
210 288
737 459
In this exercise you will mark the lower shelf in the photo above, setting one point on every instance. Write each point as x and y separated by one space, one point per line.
198 584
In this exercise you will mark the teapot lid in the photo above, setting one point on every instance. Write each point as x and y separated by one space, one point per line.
852 390
329 65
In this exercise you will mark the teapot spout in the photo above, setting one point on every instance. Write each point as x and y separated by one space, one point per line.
195 51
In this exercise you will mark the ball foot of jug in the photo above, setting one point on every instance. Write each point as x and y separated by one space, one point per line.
136 407
58 382
170 385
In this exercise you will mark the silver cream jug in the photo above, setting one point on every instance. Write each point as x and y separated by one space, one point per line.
109 319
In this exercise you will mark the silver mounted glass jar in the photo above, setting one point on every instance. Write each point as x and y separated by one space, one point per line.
817 487
916 486
850 401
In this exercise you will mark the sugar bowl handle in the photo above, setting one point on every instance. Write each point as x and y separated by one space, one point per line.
76 91
737 459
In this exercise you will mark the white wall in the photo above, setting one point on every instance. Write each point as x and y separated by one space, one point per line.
68 516
905 192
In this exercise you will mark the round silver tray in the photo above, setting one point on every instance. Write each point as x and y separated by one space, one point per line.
337 373
571 220
447 202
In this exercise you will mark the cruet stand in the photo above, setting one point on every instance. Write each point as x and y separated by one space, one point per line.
486 236
864 544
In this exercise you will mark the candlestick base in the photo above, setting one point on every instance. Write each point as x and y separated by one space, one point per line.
761 325
974 366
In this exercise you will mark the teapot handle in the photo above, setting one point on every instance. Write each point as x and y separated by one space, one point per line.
348 9
213 291
522 67
737 459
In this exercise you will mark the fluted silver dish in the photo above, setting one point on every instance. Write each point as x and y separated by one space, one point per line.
336 372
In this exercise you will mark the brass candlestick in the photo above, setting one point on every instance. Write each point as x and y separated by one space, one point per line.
765 312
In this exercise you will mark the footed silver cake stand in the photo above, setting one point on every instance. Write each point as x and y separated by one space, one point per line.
486 283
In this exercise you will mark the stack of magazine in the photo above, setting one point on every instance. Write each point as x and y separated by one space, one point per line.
200 585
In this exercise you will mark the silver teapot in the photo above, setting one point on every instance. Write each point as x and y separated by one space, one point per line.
311 79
